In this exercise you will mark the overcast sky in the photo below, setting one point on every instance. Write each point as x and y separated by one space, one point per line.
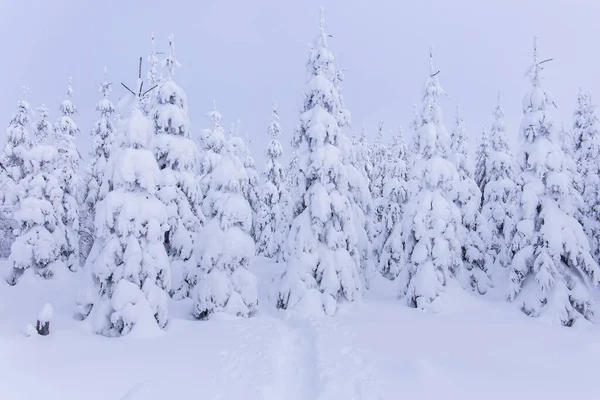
247 54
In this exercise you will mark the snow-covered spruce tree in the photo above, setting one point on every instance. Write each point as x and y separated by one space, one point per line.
103 138
177 158
252 187
481 160
586 135
224 246
322 266
363 154
431 220
361 203
12 170
39 223
153 80
67 166
294 181
393 199
271 219
500 192
474 235
130 273
380 157
552 269
567 145
17 143
212 145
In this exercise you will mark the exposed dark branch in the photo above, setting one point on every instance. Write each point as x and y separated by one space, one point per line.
545 61
140 69
125 86
153 87
435 74
141 86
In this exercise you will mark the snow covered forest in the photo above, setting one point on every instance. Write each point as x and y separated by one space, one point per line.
163 220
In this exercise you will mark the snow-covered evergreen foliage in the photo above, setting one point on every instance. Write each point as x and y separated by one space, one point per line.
130 268
481 159
103 138
271 219
364 154
500 193
391 204
431 220
552 269
16 144
294 181
586 136
567 145
251 187
474 235
153 79
177 157
380 158
322 266
357 169
38 210
7 236
224 246
67 172
12 170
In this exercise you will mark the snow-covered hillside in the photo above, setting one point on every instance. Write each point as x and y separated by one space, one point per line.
374 350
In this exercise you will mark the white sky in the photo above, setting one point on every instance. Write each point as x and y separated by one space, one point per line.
247 54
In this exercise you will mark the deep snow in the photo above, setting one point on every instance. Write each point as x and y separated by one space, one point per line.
375 350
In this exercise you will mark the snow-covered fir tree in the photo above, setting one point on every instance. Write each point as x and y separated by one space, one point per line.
586 136
380 158
103 138
361 202
567 145
431 222
130 270
39 224
294 181
364 154
474 235
67 172
225 246
481 160
43 127
343 114
500 192
17 142
12 170
392 202
323 263
271 219
252 187
177 157
153 80
552 271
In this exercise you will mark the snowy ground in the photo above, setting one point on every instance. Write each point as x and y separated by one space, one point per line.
375 350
